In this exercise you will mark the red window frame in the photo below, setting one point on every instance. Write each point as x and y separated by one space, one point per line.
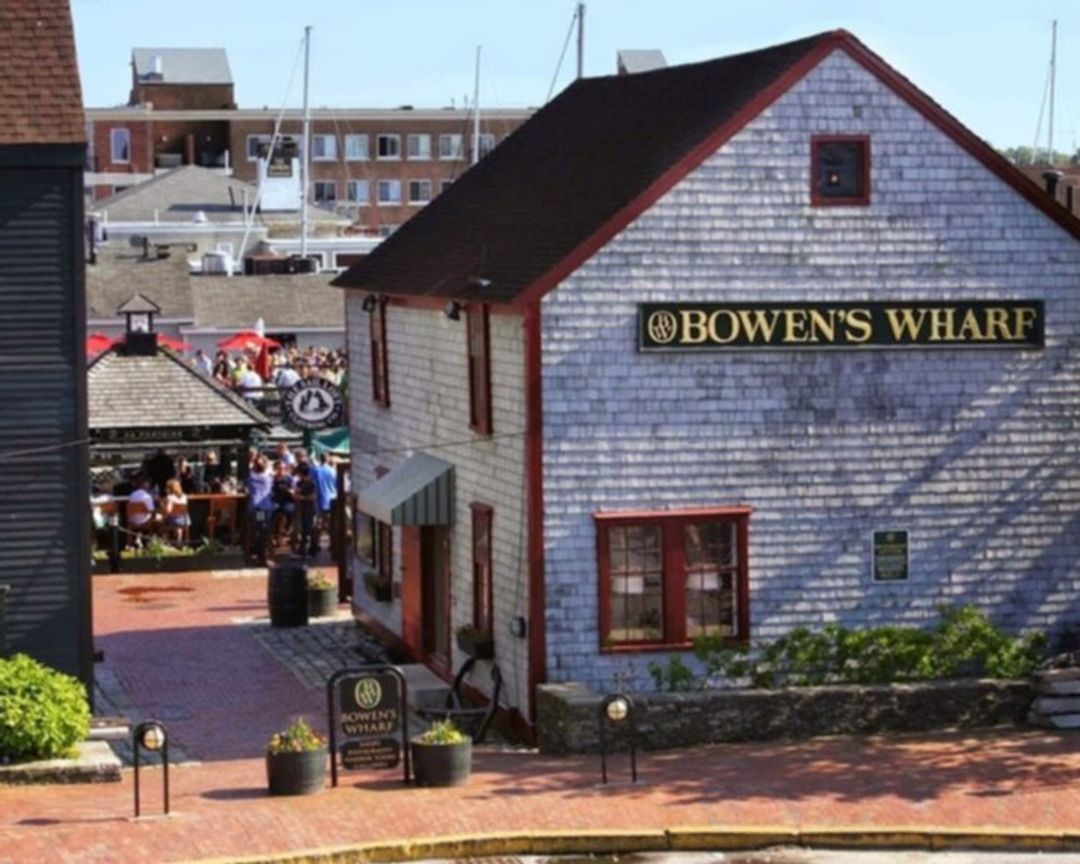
483 588
478 345
819 200
672 525
384 547
380 371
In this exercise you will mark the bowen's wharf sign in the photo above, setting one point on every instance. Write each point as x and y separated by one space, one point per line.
368 724
915 324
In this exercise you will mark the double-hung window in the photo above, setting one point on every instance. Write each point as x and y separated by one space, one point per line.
486 144
483 593
418 146
668 577
388 146
356 148
325 191
358 191
380 372
419 191
120 145
451 146
390 192
478 333
323 148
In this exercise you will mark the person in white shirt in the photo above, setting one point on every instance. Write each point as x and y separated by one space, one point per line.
203 364
250 384
286 377
142 496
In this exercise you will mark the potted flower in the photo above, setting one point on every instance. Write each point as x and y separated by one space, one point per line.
378 586
322 595
442 756
296 760
476 642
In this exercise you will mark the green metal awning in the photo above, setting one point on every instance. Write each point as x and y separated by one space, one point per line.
419 491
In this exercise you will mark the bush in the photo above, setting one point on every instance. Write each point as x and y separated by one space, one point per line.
963 645
43 713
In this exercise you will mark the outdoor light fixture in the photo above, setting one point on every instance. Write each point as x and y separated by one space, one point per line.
150 735
453 310
617 709
518 627
369 303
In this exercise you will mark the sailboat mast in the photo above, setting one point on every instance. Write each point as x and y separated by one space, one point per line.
580 40
1053 81
476 111
305 157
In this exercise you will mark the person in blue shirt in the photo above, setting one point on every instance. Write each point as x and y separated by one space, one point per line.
325 476
260 484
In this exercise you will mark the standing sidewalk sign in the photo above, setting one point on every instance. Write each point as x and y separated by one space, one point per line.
368 714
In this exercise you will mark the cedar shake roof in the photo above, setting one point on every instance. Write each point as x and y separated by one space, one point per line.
40 97
282 301
159 391
118 275
597 156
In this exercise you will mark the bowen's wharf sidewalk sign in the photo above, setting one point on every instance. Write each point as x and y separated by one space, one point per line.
914 324
368 712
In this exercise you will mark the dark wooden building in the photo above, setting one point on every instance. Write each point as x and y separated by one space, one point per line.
44 496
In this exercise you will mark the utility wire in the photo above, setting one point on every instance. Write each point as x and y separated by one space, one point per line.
562 56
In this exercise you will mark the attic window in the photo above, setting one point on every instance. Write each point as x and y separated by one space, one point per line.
840 170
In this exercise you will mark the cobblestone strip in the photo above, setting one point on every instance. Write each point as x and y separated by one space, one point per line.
112 700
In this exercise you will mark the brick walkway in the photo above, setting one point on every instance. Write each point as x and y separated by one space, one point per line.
180 655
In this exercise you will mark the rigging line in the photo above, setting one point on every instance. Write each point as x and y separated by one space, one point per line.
47 448
562 56
1038 126
249 222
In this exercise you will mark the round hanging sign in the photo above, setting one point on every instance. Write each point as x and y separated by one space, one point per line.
312 404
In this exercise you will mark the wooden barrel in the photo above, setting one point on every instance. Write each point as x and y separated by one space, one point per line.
287 594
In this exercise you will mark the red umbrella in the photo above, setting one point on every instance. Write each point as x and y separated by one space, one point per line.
247 340
262 360
175 344
98 342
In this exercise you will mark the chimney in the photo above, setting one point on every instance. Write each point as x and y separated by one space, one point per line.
1052 178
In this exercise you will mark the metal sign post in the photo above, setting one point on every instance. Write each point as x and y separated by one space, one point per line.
367 707
615 710
151 735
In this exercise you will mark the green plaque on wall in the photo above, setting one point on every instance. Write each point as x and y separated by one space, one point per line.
890 556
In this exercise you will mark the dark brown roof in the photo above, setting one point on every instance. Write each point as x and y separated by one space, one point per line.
40 97
562 174
600 154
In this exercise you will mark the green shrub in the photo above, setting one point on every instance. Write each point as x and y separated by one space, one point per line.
674 675
964 644
43 713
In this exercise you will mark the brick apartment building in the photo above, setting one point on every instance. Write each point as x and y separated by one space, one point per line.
378 166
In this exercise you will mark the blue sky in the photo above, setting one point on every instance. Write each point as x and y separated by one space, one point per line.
986 62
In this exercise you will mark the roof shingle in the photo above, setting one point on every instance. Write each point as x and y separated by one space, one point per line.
40 96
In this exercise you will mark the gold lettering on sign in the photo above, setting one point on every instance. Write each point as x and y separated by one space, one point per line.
1023 322
827 326
859 328
903 323
942 325
997 324
756 321
795 325
732 326
969 328
694 330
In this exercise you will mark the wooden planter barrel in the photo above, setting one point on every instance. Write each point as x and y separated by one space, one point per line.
322 602
287 594
441 764
296 773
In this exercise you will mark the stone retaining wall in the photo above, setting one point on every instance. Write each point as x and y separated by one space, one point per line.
568 714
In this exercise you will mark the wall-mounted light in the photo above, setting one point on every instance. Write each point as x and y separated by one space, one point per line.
453 310
369 303
518 627
479 282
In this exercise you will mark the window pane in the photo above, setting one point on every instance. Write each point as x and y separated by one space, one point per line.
356 147
358 191
451 146
637 596
419 146
419 191
365 538
389 147
711 564
840 169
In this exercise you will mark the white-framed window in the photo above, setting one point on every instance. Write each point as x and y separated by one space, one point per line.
358 191
389 191
388 146
445 184
387 230
418 146
451 146
120 145
255 145
487 144
419 191
325 190
323 148
356 148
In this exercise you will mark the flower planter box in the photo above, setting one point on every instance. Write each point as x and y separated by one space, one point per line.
296 773
322 602
378 589
480 646
441 764
174 564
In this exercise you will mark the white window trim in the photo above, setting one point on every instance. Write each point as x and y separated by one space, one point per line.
367 148
378 194
461 147
378 156
366 202
408 156
263 139
420 202
315 158
331 183
112 145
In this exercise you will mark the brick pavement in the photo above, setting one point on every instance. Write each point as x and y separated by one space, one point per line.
179 655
